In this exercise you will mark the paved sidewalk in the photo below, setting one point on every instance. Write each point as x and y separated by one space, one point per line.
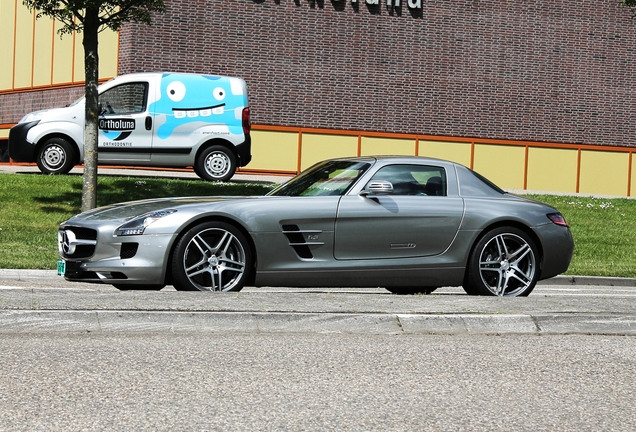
42 302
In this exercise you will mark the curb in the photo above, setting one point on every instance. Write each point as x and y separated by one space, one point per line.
589 280
109 322
557 280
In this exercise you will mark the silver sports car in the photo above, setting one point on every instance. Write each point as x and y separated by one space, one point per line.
409 224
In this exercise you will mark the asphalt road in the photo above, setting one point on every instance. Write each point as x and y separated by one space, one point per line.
316 382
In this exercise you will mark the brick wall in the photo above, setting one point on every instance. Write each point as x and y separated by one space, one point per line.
13 106
540 70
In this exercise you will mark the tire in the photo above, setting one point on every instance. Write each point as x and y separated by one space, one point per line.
216 163
504 262
56 156
411 290
212 256
138 287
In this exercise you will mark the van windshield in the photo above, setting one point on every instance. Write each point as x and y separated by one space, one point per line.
76 101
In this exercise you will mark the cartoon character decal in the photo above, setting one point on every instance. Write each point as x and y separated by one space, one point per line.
187 103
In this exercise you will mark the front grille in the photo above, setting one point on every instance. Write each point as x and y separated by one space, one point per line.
77 242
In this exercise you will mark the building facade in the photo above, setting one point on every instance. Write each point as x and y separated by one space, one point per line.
534 94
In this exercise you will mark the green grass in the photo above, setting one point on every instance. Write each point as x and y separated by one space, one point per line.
604 232
33 205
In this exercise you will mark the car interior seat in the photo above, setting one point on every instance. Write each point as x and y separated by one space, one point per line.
434 186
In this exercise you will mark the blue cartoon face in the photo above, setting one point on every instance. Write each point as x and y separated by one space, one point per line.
188 102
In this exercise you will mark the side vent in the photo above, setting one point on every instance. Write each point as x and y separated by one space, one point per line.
298 240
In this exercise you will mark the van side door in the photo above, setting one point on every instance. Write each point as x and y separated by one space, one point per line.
125 127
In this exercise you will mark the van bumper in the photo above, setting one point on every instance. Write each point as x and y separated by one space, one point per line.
244 151
20 150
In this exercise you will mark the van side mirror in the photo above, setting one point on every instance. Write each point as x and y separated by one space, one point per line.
378 187
100 109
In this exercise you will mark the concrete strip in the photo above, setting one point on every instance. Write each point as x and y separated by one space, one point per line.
598 324
39 322
466 323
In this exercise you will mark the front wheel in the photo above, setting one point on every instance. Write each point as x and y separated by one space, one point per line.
212 256
56 156
215 163
504 262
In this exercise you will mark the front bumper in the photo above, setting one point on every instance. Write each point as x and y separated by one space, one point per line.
126 260
21 150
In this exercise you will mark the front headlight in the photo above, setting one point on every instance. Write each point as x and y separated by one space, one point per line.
137 225
31 117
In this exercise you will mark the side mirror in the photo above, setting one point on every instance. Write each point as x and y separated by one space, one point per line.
378 187
100 109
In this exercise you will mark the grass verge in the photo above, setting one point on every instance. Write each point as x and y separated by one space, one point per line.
604 232
33 205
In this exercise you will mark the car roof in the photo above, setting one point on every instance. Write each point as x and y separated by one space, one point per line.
397 159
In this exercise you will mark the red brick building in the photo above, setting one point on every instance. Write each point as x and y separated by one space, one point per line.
553 71
539 70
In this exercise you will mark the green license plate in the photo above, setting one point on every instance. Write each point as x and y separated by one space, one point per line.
61 267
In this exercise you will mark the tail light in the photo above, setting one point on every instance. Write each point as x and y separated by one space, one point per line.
247 125
558 219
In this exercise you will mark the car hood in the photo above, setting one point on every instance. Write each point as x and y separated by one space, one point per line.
131 209
53 114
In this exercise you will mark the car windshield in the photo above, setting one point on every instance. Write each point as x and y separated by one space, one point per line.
333 177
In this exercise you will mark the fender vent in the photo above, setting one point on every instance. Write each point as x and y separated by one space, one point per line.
297 240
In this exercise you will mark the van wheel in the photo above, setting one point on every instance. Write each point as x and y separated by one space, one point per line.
215 163
56 156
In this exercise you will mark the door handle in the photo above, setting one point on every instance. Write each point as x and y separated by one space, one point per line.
148 123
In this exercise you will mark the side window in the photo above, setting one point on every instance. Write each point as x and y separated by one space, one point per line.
414 179
127 98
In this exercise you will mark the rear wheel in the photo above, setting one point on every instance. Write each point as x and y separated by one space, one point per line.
504 262
215 163
56 156
212 256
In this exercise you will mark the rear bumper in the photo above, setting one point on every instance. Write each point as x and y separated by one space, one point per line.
20 150
558 247
244 151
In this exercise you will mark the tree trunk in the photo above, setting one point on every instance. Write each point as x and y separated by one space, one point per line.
91 65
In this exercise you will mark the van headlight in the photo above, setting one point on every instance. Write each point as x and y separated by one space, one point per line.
31 117
137 225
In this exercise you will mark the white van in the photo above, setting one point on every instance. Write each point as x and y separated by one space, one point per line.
147 119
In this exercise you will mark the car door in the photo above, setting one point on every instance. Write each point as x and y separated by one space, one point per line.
125 127
418 219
